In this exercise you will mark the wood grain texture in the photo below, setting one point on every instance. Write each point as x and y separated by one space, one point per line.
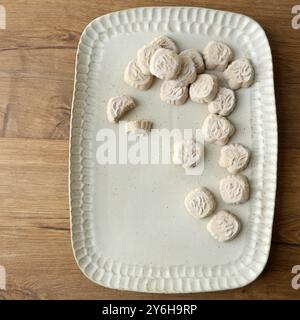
37 58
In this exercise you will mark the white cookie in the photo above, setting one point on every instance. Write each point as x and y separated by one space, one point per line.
165 42
204 89
200 203
217 129
188 153
217 55
239 74
196 57
187 73
138 127
173 93
224 103
234 157
118 106
134 77
223 226
165 64
144 56
145 53
234 189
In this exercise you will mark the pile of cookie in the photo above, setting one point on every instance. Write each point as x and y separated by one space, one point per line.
184 76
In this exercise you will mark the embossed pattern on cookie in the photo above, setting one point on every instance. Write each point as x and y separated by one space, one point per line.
200 203
204 89
217 129
138 127
165 64
239 74
223 226
234 189
187 73
173 93
234 157
224 103
144 55
217 55
188 153
118 106
196 57
134 77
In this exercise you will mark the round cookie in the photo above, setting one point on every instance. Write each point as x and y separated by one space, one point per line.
239 74
144 55
204 89
200 203
223 226
165 64
134 77
217 55
217 129
173 93
224 103
188 73
196 57
234 189
234 157
164 42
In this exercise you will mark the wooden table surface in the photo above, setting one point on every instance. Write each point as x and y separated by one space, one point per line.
37 57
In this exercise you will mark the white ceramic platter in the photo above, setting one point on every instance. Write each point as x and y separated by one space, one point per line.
129 226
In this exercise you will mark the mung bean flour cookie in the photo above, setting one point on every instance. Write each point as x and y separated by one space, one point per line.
118 106
217 55
165 64
217 129
234 189
135 78
188 73
224 102
234 157
145 53
200 203
138 127
204 89
173 93
223 226
196 57
165 42
188 153
239 74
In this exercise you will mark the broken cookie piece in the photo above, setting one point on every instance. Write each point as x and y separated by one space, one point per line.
118 106
138 127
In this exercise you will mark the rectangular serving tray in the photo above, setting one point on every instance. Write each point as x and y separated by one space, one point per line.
130 230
